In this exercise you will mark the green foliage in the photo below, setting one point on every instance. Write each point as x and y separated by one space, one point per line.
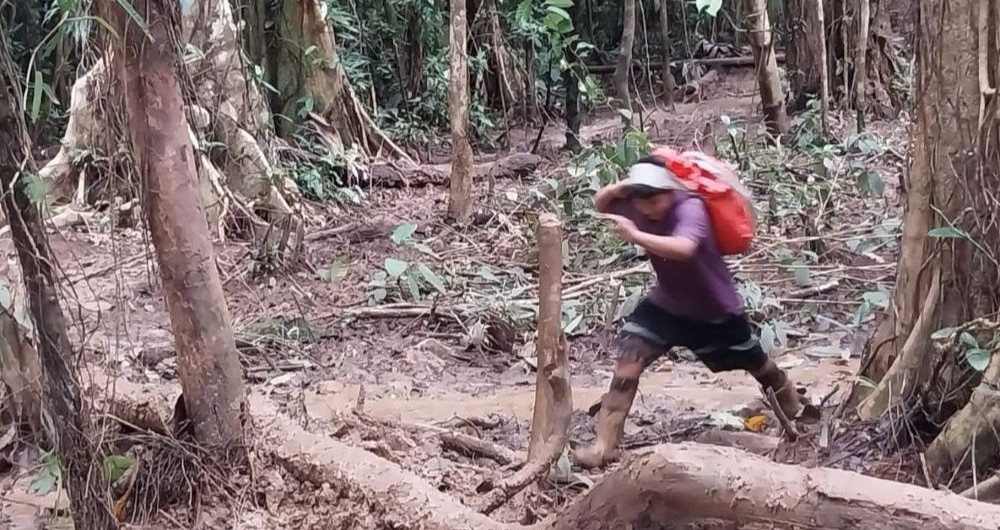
709 7
324 175
115 466
976 355
50 477
413 280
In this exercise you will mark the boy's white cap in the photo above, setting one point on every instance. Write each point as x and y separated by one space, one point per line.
654 176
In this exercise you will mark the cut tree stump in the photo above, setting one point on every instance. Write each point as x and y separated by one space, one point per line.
553 394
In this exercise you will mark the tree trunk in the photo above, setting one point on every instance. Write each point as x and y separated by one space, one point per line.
571 84
946 281
239 119
623 70
311 81
881 85
861 89
804 51
667 74
824 73
768 79
21 372
553 408
210 371
88 494
460 194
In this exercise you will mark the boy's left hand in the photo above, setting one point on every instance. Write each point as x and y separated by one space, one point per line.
624 227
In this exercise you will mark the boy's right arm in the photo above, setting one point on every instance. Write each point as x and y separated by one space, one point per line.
605 198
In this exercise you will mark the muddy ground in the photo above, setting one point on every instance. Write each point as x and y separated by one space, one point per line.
314 339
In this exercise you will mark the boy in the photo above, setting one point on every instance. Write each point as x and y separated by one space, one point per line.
694 303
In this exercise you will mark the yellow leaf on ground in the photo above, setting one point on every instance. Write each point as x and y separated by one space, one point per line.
755 423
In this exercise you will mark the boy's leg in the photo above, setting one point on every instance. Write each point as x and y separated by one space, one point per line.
637 347
731 345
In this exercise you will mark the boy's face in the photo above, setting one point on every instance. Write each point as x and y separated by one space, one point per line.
654 207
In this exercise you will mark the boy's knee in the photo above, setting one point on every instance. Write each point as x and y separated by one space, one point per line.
634 349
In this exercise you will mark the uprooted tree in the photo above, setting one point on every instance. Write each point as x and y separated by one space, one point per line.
930 356
210 372
70 420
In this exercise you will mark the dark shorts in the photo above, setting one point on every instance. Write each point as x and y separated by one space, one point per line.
723 346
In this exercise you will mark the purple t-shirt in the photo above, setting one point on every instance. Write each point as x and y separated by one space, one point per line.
701 288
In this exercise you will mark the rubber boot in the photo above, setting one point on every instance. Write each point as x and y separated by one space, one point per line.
610 426
790 401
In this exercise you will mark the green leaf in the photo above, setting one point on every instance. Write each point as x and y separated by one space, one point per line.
431 278
334 272
877 298
395 267
768 338
403 232
5 298
36 96
709 7
943 333
115 466
134 15
43 485
802 275
35 188
565 4
414 287
558 11
947 232
871 183
968 340
977 358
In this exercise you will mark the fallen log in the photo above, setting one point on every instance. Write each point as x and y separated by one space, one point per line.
706 482
666 483
605 69
392 175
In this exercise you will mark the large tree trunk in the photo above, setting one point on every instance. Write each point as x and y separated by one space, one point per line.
311 82
210 371
946 281
667 74
239 119
460 193
844 23
88 494
804 57
772 101
883 92
623 69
